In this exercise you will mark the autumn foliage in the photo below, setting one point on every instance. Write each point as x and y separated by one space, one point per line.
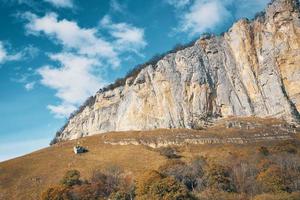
270 173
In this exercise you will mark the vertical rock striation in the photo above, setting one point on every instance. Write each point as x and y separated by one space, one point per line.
252 70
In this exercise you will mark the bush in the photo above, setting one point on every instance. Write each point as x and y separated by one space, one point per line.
120 195
145 180
244 177
191 175
214 194
218 176
83 192
263 150
56 193
72 177
153 185
280 196
286 146
271 179
264 164
105 184
169 152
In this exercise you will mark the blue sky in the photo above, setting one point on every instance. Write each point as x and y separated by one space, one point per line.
56 53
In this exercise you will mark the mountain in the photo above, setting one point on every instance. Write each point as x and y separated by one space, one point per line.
251 70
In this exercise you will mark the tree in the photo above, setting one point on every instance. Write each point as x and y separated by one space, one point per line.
218 176
72 177
191 175
244 177
271 179
153 185
83 192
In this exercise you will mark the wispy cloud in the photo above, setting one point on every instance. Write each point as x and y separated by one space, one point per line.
178 3
203 16
127 37
200 16
3 53
29 3
61 3
7 56
61 111
71 36
73 80
116 6
84 52
29 86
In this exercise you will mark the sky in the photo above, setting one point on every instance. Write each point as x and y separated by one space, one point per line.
54 54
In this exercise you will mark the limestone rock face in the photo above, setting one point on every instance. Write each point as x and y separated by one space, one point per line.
253 70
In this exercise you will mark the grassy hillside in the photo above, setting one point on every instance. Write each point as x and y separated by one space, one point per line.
26 177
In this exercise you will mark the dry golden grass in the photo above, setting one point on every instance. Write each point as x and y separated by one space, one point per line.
26 177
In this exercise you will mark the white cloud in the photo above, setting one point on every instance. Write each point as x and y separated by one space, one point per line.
199 16
128 37
116 6
203 16
30 51
25 2
73 80
178 3
29 86
84 52
61 3
3 53
61 111
71 36
5 56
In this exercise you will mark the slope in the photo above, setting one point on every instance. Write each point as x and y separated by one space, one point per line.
26 177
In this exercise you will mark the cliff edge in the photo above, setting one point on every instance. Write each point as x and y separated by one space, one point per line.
251 70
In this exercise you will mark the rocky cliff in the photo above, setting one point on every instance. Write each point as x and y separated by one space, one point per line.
252 70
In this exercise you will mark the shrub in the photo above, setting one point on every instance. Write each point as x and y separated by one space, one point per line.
153 185
286 146
169 189
244 177
263 150
104 184
264 164
83 192
169 152
280 196
145 180
72 177
190 175
120 195
215 194
113 183
56 193
271 179
218 176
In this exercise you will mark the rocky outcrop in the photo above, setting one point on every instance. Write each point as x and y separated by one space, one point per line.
202 140
239 131
252 70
